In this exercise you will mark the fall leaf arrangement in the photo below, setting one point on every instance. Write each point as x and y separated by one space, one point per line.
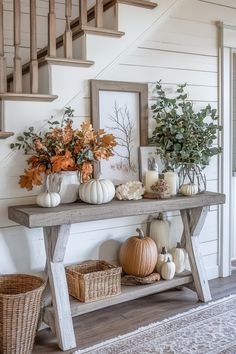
63 148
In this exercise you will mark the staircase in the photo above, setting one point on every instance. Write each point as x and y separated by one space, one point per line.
22 68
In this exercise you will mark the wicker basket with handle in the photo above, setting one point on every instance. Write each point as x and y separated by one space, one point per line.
20 299
93 280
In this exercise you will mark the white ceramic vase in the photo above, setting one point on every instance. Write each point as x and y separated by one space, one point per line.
65 183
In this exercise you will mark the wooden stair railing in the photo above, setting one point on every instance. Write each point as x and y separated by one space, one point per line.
83 17
52 29
73 29
17 82
34 76
67 40
99 14
3 67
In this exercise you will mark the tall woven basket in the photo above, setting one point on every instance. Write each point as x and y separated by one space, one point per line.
20 298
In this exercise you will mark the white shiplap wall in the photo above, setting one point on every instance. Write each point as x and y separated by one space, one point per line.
181 48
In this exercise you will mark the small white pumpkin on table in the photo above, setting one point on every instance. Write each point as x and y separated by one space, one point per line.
97 191
48 199
189 189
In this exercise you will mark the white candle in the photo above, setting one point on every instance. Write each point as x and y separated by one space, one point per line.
151 177
171 180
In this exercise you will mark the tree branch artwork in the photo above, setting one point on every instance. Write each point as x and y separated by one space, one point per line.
123 129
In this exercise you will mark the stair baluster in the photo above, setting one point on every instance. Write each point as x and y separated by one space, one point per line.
52 29
33 49
3 79
83 16
99 13
67 38
17 80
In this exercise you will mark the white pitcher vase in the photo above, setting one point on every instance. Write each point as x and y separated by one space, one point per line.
66 183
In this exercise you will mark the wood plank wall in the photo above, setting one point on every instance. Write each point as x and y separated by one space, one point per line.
181 49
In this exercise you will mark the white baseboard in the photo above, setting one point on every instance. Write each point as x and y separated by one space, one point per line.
213 272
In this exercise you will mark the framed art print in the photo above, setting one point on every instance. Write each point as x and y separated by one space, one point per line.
121 108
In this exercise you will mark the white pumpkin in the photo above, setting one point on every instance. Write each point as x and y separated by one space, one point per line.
97 191
159 232
48 199
168 270
162 258
189 189
179 255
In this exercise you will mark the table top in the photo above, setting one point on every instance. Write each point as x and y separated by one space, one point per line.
35 216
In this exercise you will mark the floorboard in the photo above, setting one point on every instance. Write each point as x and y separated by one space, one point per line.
116 320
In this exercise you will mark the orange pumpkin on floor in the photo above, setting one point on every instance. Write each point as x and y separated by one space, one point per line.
138 255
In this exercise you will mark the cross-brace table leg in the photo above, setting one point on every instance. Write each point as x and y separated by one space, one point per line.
56 238
193 221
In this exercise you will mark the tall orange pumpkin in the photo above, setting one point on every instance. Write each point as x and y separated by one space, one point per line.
138 255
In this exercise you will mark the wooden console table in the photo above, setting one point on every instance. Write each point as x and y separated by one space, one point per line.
56 225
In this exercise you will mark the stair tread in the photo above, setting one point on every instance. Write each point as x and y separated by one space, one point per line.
141 3
66 61
98 31
5 135
10 96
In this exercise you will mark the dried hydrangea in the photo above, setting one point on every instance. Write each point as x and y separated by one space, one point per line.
160 187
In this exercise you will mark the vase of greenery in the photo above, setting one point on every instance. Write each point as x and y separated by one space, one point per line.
184 137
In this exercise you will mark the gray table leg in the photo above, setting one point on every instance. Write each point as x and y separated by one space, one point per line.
55 239
193 221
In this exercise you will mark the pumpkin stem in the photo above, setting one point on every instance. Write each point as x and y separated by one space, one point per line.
163 250
178 245
160 216
168 260
140 233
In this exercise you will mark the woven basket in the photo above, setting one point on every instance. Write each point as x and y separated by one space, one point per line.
93 280
20 297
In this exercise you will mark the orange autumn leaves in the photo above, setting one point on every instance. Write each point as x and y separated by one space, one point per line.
63 148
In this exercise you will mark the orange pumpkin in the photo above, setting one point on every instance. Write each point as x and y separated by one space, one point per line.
138 255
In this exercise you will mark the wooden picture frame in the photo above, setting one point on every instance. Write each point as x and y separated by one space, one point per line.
113 102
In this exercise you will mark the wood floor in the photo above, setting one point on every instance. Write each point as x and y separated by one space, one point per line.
103 324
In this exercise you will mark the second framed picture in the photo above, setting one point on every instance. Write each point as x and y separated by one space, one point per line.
121 108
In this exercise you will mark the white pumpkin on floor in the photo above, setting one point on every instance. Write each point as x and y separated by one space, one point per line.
97 191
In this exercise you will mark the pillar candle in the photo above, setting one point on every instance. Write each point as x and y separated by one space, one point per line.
150 178
171 179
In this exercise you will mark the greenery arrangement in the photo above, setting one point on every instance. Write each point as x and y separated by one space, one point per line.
183 136
63 148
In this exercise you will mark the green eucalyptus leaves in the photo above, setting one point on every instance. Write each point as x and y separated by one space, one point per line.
182 135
